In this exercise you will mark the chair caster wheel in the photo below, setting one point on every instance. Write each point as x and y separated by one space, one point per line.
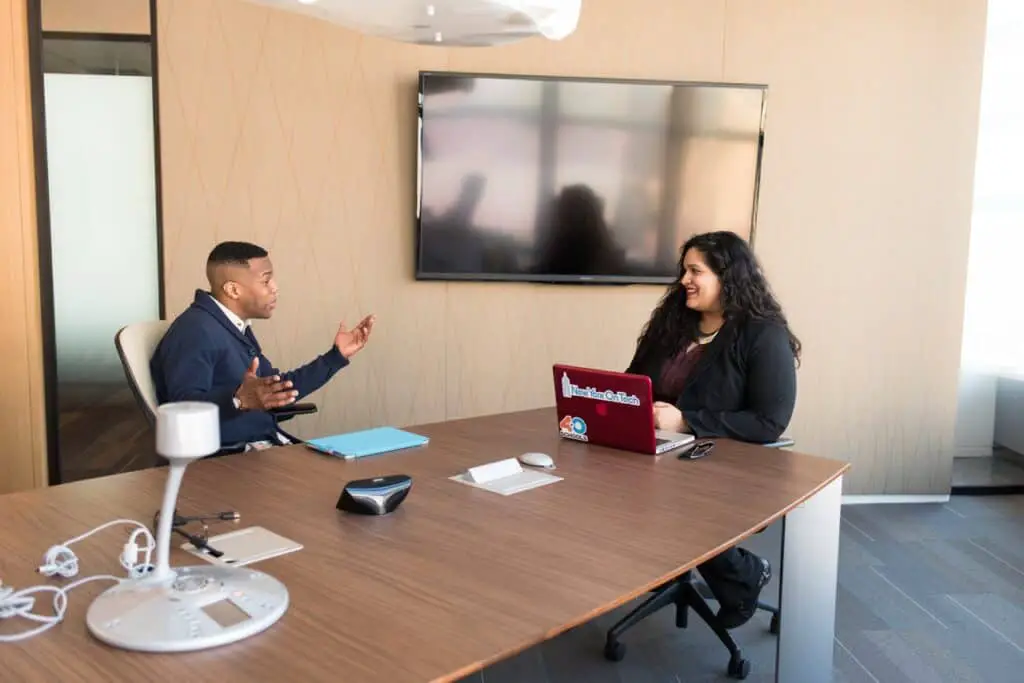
774 627
614 651
739 668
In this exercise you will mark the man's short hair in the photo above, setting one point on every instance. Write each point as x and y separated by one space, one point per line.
235 253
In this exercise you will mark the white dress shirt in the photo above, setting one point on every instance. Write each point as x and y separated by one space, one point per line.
242 325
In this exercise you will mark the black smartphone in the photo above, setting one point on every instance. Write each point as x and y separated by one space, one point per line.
698 450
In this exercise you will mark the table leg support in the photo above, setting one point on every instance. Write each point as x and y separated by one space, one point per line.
809 576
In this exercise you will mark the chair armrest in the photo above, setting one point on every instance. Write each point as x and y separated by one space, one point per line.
230 449
288 412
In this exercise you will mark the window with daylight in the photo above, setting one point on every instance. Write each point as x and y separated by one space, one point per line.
994 312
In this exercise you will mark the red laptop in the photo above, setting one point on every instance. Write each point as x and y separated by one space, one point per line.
610 409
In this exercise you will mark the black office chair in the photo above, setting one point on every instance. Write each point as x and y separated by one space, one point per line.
135 345
686 593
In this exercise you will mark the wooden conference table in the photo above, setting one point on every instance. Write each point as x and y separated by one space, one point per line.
458 577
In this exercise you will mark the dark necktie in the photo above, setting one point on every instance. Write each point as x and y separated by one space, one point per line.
252 338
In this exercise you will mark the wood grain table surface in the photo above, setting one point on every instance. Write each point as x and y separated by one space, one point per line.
457 578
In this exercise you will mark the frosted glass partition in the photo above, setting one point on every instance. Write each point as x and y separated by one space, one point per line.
103 223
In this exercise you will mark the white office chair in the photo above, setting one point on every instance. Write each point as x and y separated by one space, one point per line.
135 346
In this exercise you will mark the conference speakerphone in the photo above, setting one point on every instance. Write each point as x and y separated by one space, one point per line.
377 496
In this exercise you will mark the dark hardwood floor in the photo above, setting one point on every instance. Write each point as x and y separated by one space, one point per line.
102 431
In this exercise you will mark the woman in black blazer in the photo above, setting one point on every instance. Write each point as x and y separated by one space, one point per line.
722 360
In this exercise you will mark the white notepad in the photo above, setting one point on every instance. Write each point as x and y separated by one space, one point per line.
505 477
245 546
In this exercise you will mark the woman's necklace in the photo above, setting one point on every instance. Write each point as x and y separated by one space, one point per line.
706 337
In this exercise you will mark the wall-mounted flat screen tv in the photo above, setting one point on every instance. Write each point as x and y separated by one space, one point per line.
567 180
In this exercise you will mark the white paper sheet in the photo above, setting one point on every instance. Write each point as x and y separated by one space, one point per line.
245 546
513 483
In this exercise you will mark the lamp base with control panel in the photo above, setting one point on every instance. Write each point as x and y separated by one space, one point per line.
186 608
195 609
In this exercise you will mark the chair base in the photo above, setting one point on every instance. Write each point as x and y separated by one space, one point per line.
685 595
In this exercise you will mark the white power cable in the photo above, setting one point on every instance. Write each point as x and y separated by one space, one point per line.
61 561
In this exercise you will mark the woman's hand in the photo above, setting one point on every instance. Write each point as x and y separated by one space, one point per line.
668 418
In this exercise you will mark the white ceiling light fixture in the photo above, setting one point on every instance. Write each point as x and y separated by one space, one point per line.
445 22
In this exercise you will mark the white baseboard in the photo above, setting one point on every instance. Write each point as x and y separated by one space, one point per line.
874 499
973 452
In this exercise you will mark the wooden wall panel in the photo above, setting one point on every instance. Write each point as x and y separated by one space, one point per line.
23 455
300 135
865 217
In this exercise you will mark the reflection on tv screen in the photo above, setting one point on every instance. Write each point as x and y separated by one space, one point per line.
563 180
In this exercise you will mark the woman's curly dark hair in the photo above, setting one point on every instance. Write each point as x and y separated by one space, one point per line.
745 295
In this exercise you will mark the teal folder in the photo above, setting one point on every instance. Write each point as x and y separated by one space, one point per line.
367 442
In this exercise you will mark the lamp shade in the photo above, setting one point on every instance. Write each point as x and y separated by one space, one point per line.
445 22
187 430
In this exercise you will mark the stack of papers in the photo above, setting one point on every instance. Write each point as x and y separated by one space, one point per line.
367 442
505 477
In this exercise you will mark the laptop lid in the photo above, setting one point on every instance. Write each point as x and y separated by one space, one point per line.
605 408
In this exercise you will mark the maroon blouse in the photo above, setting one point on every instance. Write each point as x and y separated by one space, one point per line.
677 369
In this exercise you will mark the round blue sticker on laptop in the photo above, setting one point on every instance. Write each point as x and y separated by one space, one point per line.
579 426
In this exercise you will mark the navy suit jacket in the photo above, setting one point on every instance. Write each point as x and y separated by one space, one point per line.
203 357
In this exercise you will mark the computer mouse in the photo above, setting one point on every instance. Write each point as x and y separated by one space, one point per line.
537 460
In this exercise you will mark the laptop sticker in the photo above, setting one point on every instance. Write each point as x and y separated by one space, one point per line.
570 390
573 428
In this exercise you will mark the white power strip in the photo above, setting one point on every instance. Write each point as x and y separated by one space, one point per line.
61 561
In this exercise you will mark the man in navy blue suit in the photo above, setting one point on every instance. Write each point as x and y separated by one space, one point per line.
211 354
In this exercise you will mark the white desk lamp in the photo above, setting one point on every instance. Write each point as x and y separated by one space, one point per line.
190 608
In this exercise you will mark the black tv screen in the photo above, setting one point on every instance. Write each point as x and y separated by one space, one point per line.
579 180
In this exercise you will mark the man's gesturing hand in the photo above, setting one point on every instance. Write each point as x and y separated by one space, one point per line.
263 393
349 342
